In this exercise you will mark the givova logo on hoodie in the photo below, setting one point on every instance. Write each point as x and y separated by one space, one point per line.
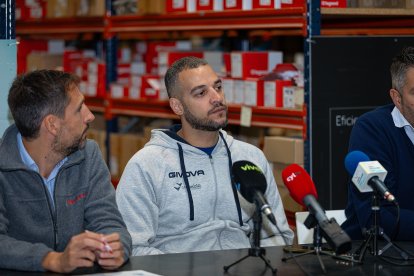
189 174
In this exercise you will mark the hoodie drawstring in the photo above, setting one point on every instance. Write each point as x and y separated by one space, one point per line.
187 185
233 184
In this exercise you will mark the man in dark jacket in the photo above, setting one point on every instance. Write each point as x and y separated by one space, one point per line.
57 204
386 134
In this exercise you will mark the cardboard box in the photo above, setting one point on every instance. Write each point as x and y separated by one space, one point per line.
60 8
288 203
43 60
129 145
99 136
293 97
145 7
399 4
114 149
254 64
283 150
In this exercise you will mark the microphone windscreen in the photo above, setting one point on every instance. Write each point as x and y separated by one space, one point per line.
352 160
299 183
250 178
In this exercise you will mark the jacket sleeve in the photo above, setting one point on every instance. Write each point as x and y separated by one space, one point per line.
138 205
370 137
14 253
101 212
281 234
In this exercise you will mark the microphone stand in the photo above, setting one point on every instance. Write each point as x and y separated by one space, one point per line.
311 222
255 250
371 239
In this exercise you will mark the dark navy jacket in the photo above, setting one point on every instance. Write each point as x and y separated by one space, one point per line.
376 135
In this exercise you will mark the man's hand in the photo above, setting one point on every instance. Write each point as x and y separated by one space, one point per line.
80 252
112 256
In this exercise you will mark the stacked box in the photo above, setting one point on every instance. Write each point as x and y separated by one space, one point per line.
283 151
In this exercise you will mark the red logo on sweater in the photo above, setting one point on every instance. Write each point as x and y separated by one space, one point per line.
76 199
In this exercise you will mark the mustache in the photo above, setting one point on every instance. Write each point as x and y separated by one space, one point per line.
217 106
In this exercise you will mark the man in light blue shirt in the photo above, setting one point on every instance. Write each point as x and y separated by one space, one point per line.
57 204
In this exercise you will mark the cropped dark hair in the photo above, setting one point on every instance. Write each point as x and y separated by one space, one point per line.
399 67
171 77
37 94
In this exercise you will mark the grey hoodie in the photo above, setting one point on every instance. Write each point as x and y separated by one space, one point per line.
164 215
30 226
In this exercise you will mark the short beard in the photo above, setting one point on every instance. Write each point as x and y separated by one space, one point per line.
203 124
77 144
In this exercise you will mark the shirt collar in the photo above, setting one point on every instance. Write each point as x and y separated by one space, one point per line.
30 163
26 158
399 119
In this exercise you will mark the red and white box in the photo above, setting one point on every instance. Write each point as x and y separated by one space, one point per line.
209 5
96 77
293 97
273 92
237 5
227 84
333 4
254 64
238 91
166 59
180 6
292 3
150 88
153 48
253 92
266 4
119 90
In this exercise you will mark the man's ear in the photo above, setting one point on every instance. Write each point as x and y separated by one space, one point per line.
396 97
176 106
52 124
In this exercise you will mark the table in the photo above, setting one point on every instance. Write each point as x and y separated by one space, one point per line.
212 262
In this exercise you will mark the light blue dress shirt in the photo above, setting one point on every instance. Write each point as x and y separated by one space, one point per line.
400 121
30 163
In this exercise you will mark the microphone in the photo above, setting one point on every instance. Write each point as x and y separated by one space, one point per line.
303 191
252 186
367 175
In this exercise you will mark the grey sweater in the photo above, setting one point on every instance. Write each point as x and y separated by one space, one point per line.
154 201
30 226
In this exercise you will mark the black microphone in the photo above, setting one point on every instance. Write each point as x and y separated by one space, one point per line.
252 185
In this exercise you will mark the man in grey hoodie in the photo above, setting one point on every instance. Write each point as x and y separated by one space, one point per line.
177 194
57 204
